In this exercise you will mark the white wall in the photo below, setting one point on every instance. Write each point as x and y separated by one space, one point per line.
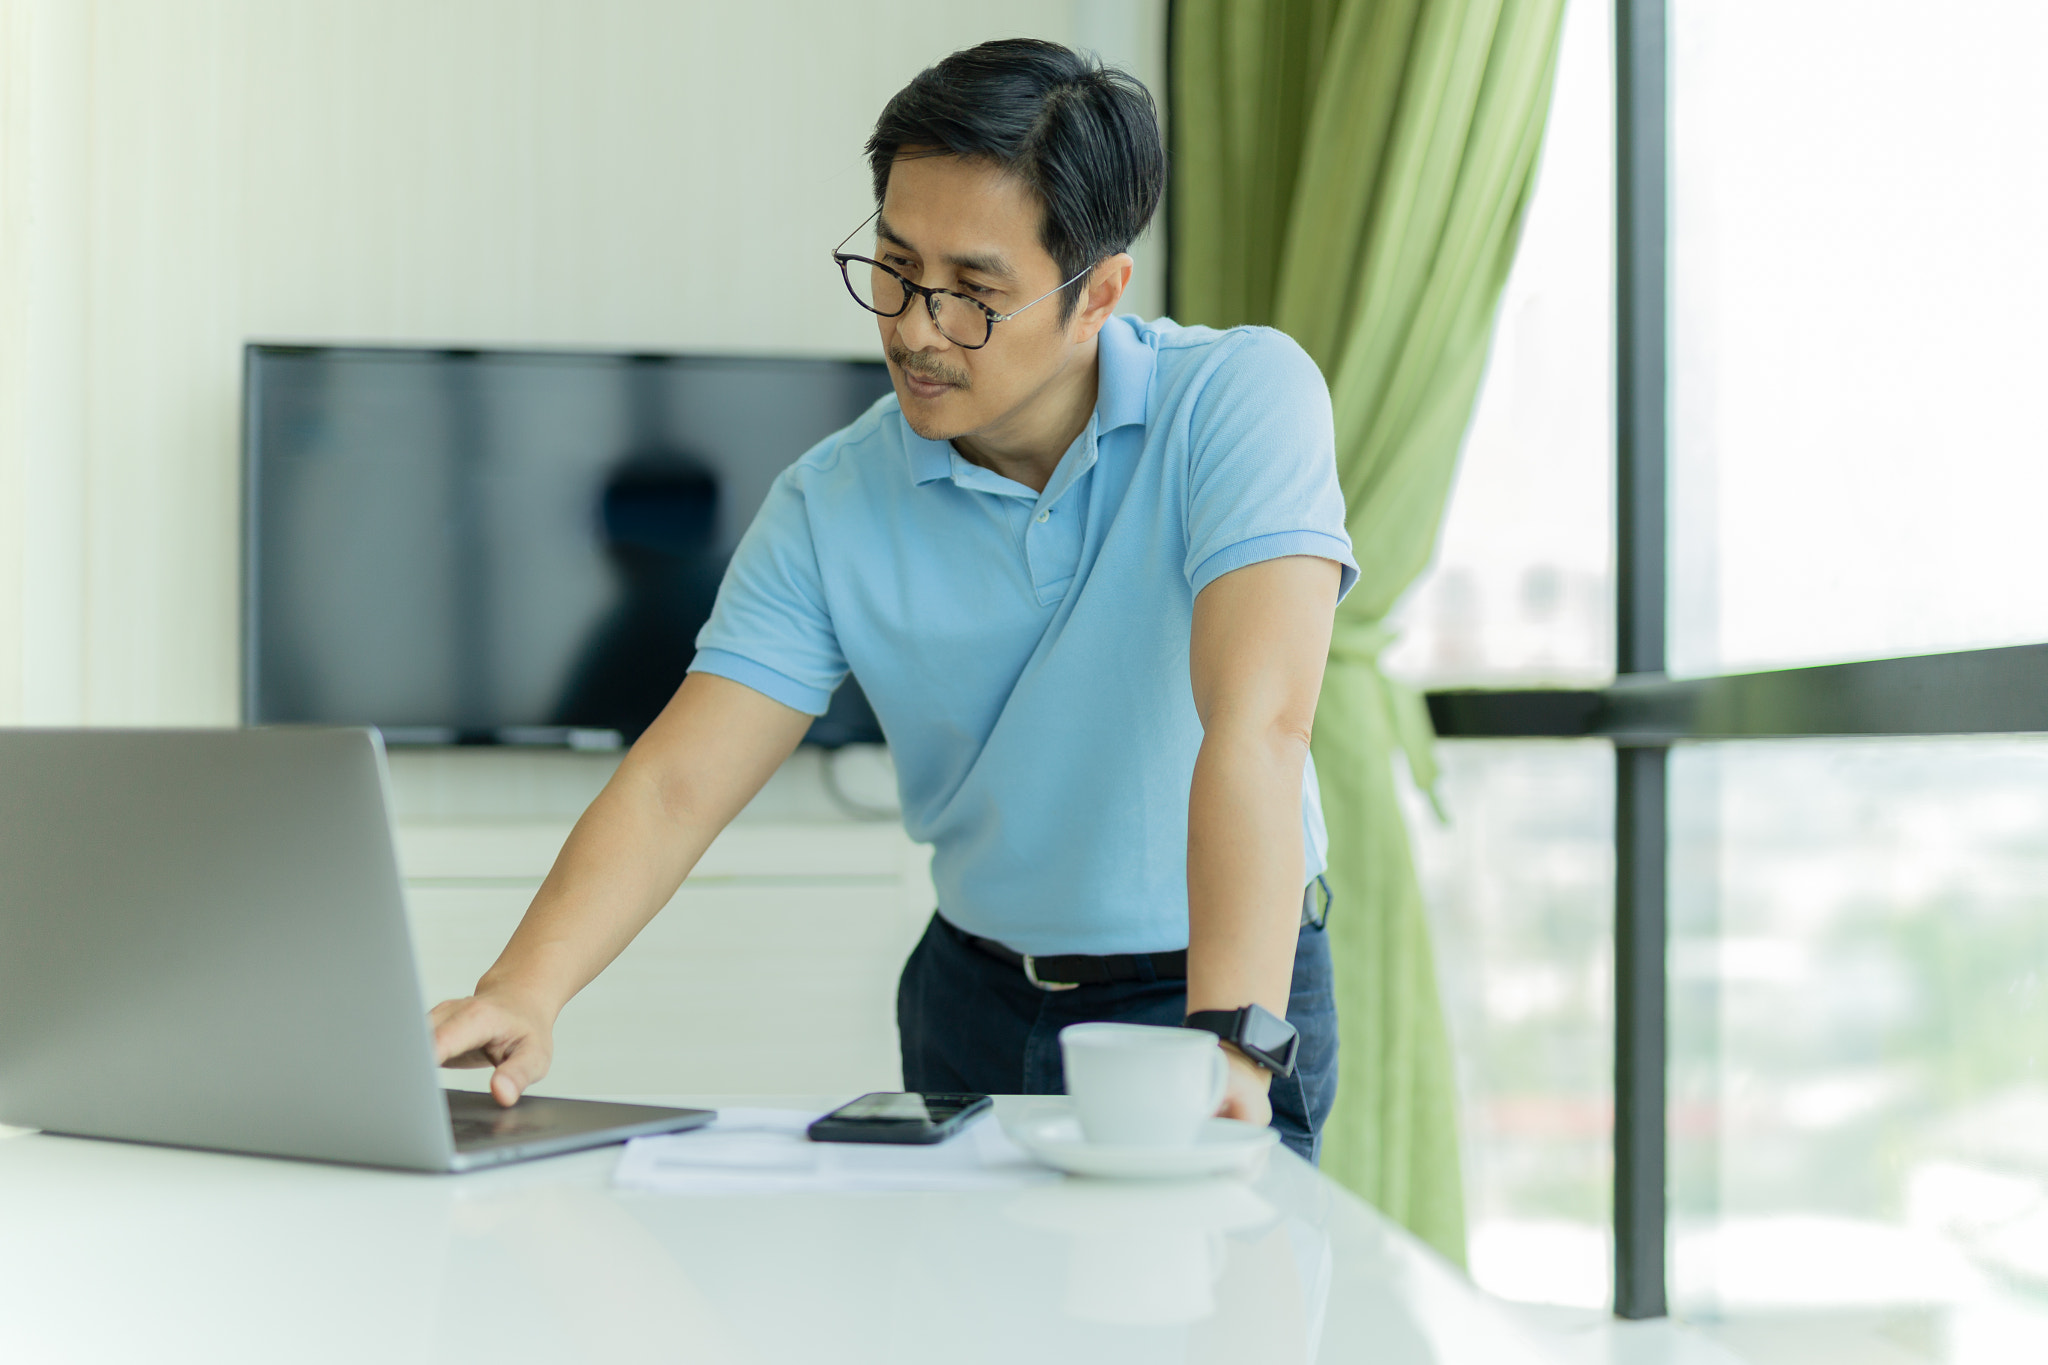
179 176
788 936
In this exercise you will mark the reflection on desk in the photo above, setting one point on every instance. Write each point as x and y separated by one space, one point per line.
121 1252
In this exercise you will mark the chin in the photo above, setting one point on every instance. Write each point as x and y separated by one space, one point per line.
923 417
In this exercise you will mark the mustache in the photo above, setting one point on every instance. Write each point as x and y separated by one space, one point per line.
923 367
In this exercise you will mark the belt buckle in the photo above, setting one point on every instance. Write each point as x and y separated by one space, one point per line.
1031 975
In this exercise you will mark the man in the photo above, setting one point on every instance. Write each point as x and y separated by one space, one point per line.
1084 567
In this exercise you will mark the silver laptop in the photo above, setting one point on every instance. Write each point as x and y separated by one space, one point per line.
203 942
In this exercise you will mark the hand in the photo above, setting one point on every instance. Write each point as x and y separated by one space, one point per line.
499 1031
1244 1090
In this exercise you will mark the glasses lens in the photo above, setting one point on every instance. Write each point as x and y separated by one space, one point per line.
875 287
964 322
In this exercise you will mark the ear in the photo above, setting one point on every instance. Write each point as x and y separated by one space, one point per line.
1106 285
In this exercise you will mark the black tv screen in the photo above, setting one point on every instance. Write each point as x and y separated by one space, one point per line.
465 546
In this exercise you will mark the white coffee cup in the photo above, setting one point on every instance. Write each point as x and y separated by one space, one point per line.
1136 1085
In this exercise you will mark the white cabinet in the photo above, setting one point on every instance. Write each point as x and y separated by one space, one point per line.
772 971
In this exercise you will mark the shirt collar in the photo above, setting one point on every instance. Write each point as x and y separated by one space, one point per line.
930 461
1123 385
1123 390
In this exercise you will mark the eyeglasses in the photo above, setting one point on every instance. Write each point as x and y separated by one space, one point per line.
966 322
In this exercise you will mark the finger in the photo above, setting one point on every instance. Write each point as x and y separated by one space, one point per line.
446 1009
1245 1096
516 1072
504 1088
1247 1109
468 1029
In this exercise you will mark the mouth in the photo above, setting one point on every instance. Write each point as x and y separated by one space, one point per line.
923 385
924 388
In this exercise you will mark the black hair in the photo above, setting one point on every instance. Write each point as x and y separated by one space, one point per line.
1083 136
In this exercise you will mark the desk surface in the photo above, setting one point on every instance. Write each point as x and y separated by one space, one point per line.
111 1251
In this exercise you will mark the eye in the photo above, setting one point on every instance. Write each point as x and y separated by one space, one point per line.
980 291
899 264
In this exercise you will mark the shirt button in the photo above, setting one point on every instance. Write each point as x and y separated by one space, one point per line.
1043 515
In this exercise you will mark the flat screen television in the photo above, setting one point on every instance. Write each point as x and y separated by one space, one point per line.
504 546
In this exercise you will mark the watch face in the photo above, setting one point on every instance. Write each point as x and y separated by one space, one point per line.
1266 1033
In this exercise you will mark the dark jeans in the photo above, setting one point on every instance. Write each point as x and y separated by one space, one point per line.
971 1023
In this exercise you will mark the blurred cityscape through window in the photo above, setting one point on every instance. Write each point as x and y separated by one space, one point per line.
1859 1039
1520 887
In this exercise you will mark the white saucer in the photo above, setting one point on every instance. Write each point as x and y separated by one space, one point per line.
1222 1147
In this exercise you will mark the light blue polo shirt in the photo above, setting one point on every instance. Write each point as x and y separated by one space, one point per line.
1027 653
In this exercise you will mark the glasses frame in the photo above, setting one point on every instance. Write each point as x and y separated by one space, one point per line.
912 290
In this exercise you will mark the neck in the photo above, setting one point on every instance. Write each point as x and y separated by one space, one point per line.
1025 444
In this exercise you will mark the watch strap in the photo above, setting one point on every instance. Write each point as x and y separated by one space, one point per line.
1231 1027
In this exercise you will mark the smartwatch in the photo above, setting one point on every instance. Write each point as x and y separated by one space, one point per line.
1256 1031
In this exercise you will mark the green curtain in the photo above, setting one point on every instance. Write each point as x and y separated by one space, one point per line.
1354 173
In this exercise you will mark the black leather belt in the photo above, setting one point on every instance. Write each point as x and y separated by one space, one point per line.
1068 970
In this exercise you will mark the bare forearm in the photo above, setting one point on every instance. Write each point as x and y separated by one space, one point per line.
711 749
620 865
1244 868
1256 665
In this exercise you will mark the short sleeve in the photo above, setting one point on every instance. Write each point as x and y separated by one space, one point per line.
770 629
1262 465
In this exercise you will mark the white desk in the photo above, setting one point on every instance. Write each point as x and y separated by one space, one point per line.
112 1252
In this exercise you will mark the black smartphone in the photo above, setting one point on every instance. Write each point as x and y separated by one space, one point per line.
896 1116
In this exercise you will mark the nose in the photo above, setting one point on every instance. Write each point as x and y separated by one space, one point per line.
916 330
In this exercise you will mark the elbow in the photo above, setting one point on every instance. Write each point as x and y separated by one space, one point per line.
1280 736
1289 735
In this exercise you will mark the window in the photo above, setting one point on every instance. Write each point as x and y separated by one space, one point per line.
1859 1045
1520 880
1859 195
1522 587
1520 888
1829 883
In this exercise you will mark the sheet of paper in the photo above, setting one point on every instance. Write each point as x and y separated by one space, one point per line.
761 1151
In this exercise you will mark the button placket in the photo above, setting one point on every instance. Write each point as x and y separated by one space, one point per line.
1052 544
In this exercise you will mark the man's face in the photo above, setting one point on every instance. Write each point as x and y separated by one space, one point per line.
967 226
